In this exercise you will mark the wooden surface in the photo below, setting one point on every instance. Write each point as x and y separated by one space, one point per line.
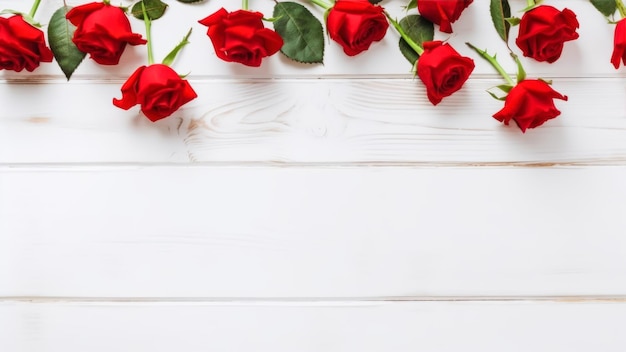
313 208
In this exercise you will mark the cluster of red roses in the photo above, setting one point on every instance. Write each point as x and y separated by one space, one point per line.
103 31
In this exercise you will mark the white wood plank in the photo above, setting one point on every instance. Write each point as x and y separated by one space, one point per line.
324 326
363 121
588 56
312 232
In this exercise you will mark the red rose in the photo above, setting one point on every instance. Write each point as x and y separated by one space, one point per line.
530 103
355 24
543 30
22 46
443 70
619 44
442 12
240 36
102 31
158 89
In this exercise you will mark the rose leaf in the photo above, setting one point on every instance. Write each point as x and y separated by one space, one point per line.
60 33
302 32
189 1
420 30
606 7
411 5
154 8
500 11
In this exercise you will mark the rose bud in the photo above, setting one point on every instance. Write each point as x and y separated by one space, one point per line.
442 12
241 37
102 31
22 46
543 30
158 89
442 70
619 44
356 24
530 103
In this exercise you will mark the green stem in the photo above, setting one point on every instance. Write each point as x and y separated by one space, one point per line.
418 49
492 60
530 3
323 4
244 4
148 24
33 10
621 8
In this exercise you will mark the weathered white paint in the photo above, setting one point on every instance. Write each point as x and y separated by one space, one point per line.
296 120
312 231
288 207
313 326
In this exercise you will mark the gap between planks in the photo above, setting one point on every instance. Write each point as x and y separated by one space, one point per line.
92 166
309 300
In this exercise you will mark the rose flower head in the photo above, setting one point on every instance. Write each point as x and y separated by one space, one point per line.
442 12
619 44
356 24
442 70
22 46
241 37
157 89
530 103
102 31
543 30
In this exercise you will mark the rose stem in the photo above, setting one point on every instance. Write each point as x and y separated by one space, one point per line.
530 3
621 8
244 4
492 60
325 5
148 23
418 49
33 9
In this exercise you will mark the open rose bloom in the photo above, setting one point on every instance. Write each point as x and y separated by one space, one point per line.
103 31
530 103
157 89
442 12
356 24
22 46
442 70
241 37
619 44
543 31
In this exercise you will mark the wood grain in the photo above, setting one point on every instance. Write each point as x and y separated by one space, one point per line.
311 232
311 121
313 208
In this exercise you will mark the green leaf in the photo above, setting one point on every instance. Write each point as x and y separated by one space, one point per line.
172 55
606 7
513 21
302 32
154 8
411 5
495 96
189 1
420 30
60 33
500 11
505 87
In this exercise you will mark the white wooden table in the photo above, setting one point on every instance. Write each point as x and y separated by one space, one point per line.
313 208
